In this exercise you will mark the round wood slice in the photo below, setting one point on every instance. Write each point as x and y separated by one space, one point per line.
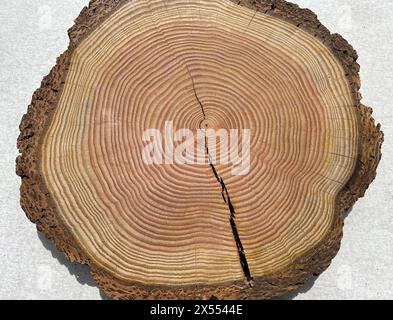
198 231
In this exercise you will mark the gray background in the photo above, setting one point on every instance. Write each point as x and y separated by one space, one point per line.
33 33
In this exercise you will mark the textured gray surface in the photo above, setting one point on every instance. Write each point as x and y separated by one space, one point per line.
33 33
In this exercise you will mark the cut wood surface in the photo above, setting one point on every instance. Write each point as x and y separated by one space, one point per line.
198 231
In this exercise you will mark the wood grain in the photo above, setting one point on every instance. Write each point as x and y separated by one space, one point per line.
185 231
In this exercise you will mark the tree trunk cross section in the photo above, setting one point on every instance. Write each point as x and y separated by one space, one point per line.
198 231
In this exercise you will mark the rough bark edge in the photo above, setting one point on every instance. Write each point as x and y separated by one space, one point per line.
39 207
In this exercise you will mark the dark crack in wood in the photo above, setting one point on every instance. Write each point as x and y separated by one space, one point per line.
226 198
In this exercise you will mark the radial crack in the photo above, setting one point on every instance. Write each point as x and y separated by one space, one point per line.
227 200
196 95
232 220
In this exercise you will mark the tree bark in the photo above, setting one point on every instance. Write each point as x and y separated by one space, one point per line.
198 231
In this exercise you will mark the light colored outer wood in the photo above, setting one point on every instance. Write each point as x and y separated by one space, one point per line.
40 208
